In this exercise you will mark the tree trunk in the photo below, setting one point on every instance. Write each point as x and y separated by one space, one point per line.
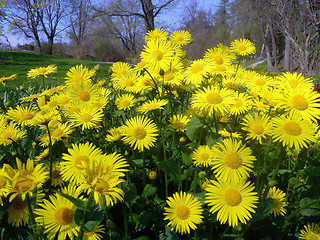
50 46
287 56
148 8
274 49
269 60
38 46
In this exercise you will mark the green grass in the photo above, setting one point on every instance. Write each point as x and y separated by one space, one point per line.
20 62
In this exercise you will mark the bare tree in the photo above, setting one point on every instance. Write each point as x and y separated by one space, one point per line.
51 14
148 10
24 17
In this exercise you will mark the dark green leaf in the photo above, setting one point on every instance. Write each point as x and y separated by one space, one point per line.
79 203
192 126
263 211
130 192
90 225
313 171
186 159
79 216
149 190
172 169
138 162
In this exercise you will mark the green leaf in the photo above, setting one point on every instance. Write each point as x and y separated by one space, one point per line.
312 210
94 219
79 216
186 158
172 169
138 162
313 171
149 190
79 203
192 126
130 192
263 210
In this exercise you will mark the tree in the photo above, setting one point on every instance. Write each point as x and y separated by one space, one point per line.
148 10
51 13
298 21
222 22
23 16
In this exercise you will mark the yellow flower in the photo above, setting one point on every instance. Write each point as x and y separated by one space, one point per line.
279 199
242 47
140 133
242 104
202 156
179 122
197 71
231 161
234 202
88 117
10 132
125 101
42 71
78 74
310 232
258 127
152 105
156 34
183 213
120 69
114 134
84 93
22 115
180 37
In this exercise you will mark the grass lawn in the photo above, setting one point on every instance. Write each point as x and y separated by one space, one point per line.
21 62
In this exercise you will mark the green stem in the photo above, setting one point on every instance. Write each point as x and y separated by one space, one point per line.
87 210
32 218
300 209
50 156
125 219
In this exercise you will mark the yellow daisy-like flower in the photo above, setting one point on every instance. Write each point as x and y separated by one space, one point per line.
23 115
145 82
25 179
88 117
18 214
234 202
223 70
259 83
180 37
179 122
73 165
231 161
218 56
4 185
114 134
11 132
293 131
57 216
173 78
125 101
301 100
56 179
197 71
214 100
156 34
203 155
227 134
127 82
158 54
310 232
5 79
78 74
293 80
183 213
42 71
243 104
103 180
231 82
258 127
152 105
140 133
242 47
279 199
84 93
95 234
57 133
119 69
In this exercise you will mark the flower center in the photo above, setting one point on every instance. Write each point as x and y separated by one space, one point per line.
299 102
214 98
128 82
26 116
179 125
233 160
79 160
232 197
57 132
242 47
84 96
220 68
7 135
53 104
126 103
56 174
157 54
238 103
204 157
312 236
257 129
18 204
101 185
179 38
218 60
86 117
196 68
182 212
152 106
42 70
23 184
53 122
260 82
78 78
168 77
63 216
65 100
292 128
139 133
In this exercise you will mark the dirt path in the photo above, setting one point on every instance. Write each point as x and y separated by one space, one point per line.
255 64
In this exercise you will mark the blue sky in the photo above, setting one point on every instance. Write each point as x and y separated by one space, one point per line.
169 19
